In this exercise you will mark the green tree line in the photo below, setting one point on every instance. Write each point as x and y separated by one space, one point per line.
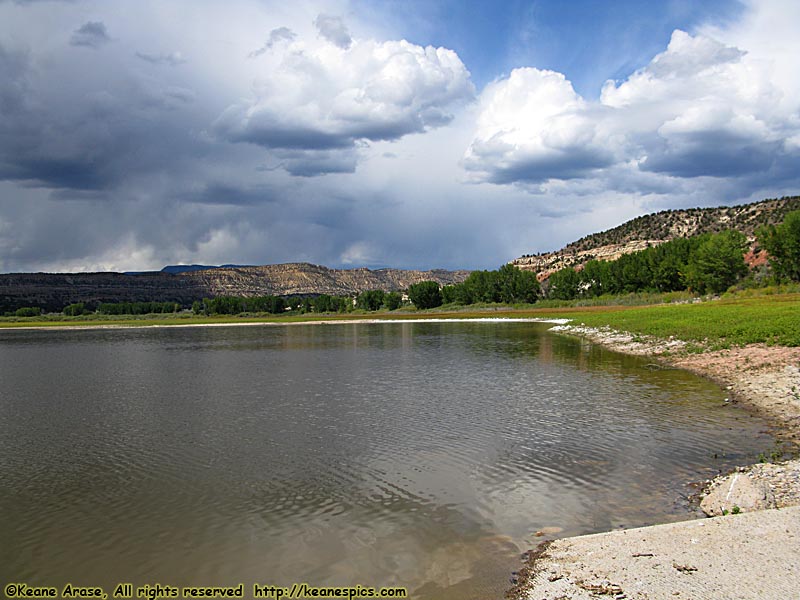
370 300
709 263
508 284
705 263
133 308
234 305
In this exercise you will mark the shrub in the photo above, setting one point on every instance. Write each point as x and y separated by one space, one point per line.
425 294
75 310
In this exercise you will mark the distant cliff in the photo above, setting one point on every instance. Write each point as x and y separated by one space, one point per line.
53 291
653 229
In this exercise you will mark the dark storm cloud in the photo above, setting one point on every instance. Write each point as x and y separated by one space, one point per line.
231 195
72 173
13 74
87 150
173 59
84 130
569 164
314 163
717 153
99 149
92 34
31 130
269 131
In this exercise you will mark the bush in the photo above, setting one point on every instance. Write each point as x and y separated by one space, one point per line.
137 308
393 301
425 294
28 311
75 310
325 303
370 300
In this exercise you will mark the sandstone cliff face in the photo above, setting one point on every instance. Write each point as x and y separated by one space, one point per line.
54 291
545 265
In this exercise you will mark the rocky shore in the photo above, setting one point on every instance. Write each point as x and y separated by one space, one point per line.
750 548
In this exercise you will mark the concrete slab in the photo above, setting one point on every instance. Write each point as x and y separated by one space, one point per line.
750 555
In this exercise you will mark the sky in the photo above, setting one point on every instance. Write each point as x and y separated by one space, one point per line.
358 133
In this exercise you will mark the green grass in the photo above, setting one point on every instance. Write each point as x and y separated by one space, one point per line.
730 321
633 299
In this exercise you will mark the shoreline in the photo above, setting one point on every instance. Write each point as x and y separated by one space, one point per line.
764 380
748 555
340 321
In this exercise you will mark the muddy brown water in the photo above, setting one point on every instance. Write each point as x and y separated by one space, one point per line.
421 455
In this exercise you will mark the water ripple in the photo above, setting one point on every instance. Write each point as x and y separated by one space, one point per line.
335 454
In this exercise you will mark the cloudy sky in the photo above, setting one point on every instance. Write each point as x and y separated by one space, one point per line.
413 134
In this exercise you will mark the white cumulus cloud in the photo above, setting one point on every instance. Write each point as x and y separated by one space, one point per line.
533 126
322 95
701 108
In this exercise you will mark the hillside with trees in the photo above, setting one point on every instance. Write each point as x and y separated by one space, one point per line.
654 229
709 263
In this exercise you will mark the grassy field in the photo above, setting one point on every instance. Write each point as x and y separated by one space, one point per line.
732 320
714 324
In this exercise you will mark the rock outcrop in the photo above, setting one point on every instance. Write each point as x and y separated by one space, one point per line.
546 264
736 493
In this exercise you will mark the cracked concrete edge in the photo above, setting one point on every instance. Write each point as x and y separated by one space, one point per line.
746 556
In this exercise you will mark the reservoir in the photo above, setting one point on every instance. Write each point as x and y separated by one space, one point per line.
420 455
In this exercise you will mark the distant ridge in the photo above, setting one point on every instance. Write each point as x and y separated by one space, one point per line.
186 268
54 291
657 228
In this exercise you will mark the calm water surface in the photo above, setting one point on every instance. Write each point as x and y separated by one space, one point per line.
422 455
